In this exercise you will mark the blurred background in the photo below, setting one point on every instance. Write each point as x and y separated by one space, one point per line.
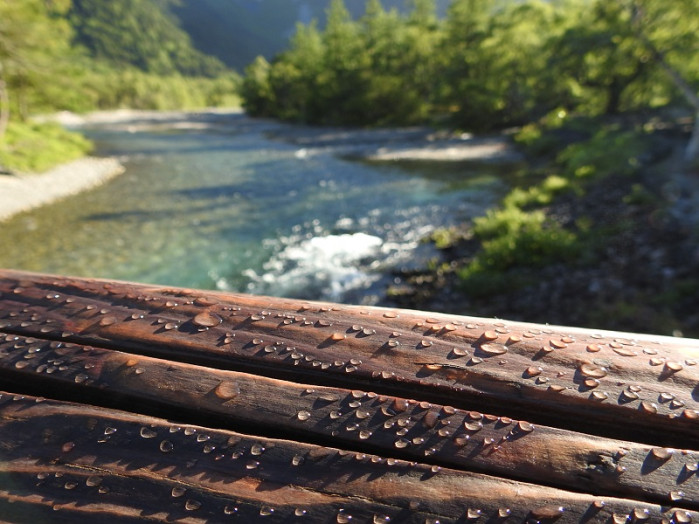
525 159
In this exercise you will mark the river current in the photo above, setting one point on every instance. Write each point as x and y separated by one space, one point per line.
216 203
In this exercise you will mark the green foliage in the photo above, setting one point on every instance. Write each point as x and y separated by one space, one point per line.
130 88
139 33
445 237
537 195
486 65
32 147
514 238
609 151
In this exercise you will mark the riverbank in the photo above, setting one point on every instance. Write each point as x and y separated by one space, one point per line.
22 192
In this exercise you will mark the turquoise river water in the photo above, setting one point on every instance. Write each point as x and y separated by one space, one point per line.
223 206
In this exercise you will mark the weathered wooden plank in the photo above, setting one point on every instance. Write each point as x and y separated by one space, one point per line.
564 375
67 462
549 408
354 419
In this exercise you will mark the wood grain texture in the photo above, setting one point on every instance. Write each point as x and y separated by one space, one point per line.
569 417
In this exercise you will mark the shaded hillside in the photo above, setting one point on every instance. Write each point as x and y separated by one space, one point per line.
236 31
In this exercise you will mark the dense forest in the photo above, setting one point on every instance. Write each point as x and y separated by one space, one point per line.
486 65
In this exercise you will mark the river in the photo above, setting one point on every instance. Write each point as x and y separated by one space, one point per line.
217 203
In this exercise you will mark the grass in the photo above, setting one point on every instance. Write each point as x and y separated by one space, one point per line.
31 147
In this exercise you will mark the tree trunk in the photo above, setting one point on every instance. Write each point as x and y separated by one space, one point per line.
4 108
691 154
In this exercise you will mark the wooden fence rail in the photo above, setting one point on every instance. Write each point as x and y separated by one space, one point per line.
124 402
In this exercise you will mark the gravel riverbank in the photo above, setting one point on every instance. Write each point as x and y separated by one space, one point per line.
22 192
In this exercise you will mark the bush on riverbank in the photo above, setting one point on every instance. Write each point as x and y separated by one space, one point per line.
590 236
35 147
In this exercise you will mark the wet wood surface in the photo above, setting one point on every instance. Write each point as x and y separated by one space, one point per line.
127 402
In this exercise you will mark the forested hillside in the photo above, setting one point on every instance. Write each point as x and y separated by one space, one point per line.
236 31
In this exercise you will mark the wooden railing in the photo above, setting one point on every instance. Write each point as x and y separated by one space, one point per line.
124 402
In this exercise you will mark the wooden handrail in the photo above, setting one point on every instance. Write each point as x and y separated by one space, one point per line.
126 401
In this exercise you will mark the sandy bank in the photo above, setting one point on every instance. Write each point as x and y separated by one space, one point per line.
23 192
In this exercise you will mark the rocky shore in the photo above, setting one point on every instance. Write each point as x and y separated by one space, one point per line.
21 192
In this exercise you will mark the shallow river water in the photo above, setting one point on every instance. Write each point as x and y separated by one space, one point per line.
220 205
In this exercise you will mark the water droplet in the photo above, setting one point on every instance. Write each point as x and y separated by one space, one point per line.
629 395
192 505
21 364
207 319
93 481
473 513
147 433
493 349
230 510
390 314
381 519
70 485
673 366
178 491
108 321
619 518
504 512
474 425
257 449
337 336
342 517
557 344
227 390
590 370
203 437
252 464
80 378
682 517
649 407
67 447
166 446
599 396
297 460
362 414
489 335
533 371
641 514
401 443
303 415
593 348
677 495
525 427
300 512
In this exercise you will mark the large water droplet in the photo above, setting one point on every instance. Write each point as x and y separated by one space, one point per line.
147 433
166 446
207 319
178 491
227 390
303 415
493 349
588 369
192 505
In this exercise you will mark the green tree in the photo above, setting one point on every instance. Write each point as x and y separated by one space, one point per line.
668 32
34 42
139 33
